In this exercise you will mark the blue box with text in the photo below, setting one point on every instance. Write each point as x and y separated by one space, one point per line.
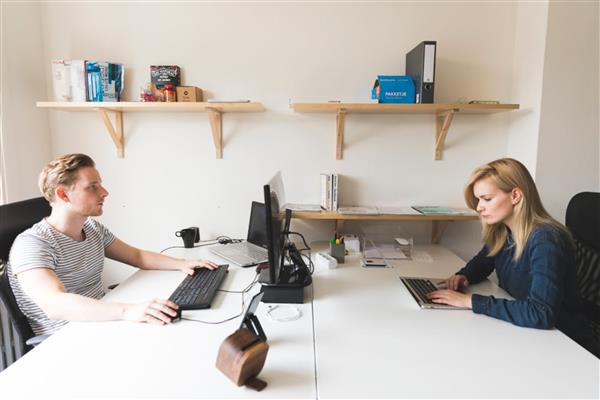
394 89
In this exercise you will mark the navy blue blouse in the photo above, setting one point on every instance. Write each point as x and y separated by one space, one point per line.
542 282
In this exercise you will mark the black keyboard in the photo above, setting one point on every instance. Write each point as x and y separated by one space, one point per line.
197 291
421 287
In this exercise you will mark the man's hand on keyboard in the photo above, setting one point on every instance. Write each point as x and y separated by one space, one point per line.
157 311
451 297
190 265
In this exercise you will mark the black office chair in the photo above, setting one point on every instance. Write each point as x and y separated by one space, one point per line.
583 219
14 219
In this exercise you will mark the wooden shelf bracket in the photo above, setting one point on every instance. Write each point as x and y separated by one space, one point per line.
437 230
115 131
216 124
339 137
443 119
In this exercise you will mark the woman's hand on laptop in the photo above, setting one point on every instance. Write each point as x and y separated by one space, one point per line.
451 297
190 265
455 282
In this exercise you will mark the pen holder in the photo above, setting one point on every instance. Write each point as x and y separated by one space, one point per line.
338 251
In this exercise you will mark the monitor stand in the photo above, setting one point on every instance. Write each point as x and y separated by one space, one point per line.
283 292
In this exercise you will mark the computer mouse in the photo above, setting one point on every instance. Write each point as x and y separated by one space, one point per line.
176 317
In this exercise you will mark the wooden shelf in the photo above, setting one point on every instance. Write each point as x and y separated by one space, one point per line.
444 113
214 110
439 221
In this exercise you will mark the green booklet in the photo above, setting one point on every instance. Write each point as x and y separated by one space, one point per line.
429 210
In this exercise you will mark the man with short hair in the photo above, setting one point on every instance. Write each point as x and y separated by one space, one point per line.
55 266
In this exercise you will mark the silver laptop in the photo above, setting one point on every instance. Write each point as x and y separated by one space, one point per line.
420 287
254 250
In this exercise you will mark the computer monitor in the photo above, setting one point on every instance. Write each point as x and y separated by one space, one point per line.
274 224
278 282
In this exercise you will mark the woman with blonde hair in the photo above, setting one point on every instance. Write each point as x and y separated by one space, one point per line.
532 253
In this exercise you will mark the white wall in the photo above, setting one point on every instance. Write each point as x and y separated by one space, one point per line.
273 52
25 130
568 157
269 52
527 81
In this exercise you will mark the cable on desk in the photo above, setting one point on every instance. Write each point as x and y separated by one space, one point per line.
202 243
243 292
312 309
218 239
311 266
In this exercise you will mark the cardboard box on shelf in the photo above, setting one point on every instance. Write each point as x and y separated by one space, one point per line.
189 93
394 89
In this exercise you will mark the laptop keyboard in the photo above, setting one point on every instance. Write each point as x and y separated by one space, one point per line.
242 255
255 253
421 287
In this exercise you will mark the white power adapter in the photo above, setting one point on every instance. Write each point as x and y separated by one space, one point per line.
352 243
325 260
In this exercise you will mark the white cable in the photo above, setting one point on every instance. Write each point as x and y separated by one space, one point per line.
284 313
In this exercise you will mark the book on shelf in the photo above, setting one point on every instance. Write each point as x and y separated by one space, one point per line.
325 184
69 80
334 192
398 210
104 81
85 80
302 207
358 210
439 210
329 191
484 102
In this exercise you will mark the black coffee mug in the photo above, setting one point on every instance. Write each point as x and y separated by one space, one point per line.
197 235
189 236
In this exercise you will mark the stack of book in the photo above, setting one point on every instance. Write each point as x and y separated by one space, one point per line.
399 210
437 210
84 80
330 203
329 192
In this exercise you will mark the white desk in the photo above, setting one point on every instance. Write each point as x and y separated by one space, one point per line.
371 340
125 360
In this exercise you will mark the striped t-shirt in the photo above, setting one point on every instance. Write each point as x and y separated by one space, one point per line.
77 264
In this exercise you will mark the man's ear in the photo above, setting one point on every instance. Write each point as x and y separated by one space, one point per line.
61 193
516 195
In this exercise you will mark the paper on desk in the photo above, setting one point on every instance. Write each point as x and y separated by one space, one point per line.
386 251
421 256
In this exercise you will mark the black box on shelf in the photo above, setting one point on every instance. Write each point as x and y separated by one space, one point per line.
162 75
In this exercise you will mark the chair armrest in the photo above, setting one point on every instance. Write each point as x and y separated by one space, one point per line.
34 341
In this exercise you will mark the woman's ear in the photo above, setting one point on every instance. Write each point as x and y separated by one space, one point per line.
516 195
